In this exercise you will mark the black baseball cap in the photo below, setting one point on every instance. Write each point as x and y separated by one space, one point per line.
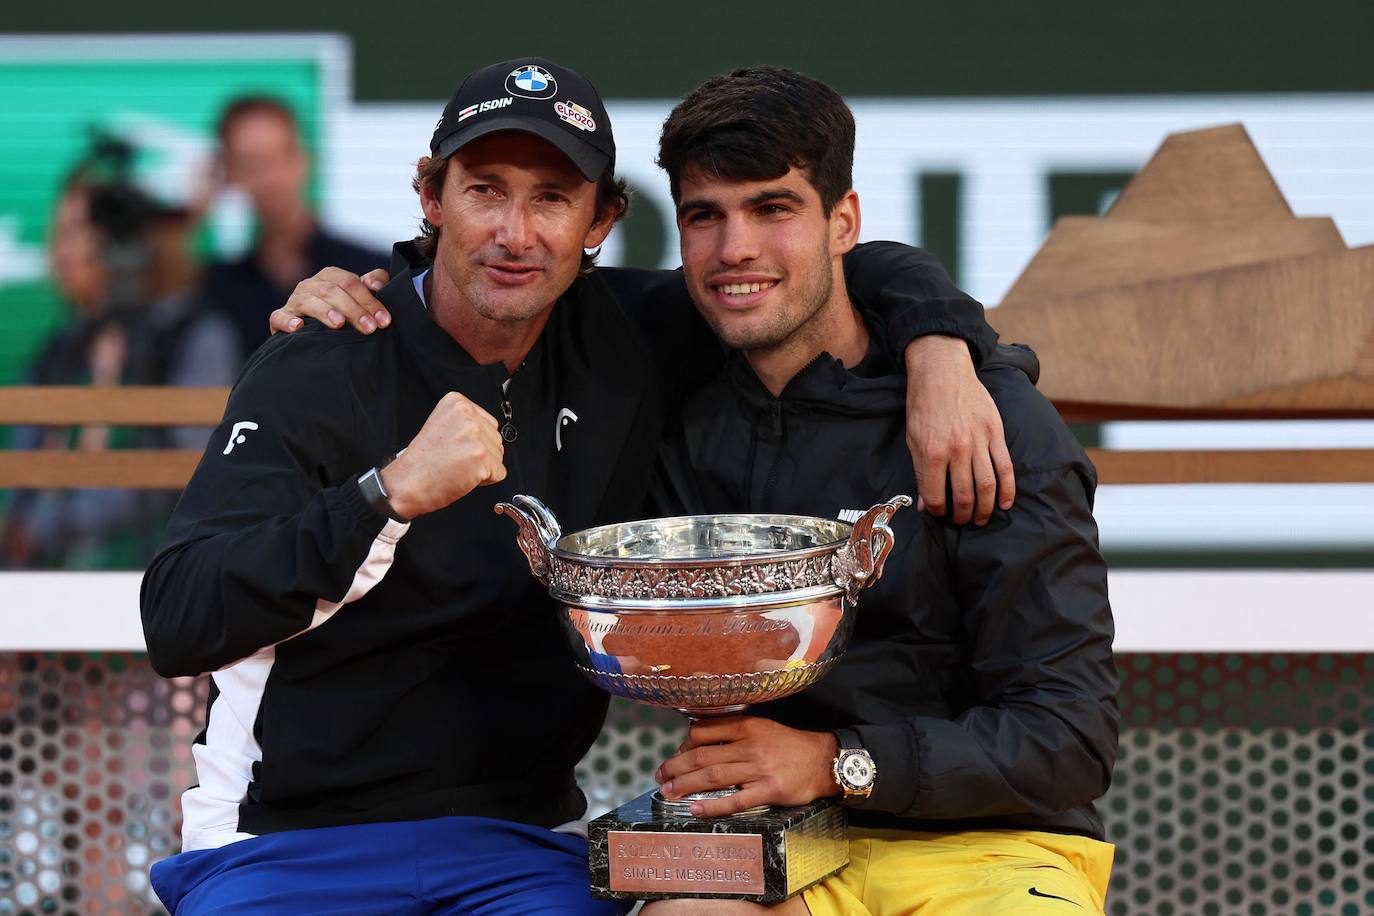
536 96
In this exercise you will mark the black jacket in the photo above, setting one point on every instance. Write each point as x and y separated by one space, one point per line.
980 673
365 670
446 687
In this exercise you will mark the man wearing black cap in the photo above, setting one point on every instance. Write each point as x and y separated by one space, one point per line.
393 722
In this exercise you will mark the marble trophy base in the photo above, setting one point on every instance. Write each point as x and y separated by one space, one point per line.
638 853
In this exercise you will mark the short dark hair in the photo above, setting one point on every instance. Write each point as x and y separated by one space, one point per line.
756 123
245 105
612 199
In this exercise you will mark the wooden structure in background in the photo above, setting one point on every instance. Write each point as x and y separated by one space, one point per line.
1199 294
131 406
170 469
126 406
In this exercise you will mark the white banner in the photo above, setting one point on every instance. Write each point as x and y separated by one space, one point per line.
1320 149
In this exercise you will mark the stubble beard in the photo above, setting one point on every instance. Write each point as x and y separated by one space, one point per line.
789 325
465 275
527 305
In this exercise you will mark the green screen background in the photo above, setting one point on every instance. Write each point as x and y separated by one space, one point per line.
44 132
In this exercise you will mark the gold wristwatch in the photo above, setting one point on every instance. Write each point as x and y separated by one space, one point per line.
855 772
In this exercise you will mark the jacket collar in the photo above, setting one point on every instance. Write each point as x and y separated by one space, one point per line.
415 323
825 382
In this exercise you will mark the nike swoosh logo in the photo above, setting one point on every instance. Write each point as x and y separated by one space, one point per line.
1035 893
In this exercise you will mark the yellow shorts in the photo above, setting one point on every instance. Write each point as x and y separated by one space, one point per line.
894 873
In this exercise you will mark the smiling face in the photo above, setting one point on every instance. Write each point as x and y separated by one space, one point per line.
514 217
760 257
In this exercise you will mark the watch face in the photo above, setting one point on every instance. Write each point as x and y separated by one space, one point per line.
858 770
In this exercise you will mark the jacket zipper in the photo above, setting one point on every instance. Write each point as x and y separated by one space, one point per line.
780 430
508 431
749 469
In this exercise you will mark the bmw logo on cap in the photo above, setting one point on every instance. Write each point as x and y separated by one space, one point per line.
532 82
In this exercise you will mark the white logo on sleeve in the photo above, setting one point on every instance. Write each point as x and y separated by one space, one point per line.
236 435
565 416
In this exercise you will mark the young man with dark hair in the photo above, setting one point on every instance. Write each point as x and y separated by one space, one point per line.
394 719
973 720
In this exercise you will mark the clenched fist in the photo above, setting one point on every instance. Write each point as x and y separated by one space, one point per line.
457 450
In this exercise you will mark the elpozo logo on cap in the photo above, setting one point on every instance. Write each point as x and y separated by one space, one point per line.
531 82
576 115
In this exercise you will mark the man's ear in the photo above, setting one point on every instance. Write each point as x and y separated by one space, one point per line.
599 230
845 223
430 205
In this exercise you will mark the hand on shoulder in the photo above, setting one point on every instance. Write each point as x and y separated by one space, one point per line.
335 297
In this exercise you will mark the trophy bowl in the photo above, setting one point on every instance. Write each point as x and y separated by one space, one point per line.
706 614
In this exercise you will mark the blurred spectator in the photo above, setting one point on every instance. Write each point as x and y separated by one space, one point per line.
188 344
123 263
262 155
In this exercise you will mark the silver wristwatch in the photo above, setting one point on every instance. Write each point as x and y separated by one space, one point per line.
375 493
855 772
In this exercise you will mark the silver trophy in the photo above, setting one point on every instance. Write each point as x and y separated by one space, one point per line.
708 614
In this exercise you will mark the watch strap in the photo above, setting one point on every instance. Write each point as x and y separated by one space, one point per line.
374 491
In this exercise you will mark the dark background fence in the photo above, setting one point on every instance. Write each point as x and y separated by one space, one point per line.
1243 785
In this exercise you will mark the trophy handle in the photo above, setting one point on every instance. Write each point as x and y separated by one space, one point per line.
539 531
859 562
